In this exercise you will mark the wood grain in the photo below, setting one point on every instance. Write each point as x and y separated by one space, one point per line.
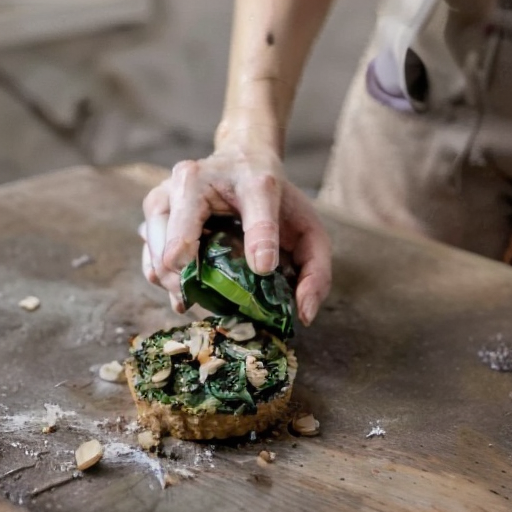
396 341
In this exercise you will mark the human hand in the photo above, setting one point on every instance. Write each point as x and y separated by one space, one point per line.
274 214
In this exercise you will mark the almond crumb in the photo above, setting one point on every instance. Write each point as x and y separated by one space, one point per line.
49 429
170 480
30 303
306 425
147 440
267 456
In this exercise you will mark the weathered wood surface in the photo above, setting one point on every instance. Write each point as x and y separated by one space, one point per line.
397 342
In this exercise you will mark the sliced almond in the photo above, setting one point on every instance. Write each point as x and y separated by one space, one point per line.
255 371
242 332
112 372
199 340
209 368
172 348
147 440
306 425
159 385
29 303
161 375
204 355
88 454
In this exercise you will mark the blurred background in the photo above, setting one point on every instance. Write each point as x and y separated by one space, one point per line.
108 82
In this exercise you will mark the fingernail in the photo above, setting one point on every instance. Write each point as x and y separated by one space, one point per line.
309 309
265 260
153 278
177 303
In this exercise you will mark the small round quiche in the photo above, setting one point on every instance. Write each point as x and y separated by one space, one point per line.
218 378
231 373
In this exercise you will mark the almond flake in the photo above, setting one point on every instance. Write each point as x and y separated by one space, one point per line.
161 375
209 368
204 356
199 340
88 454
242 332
172 348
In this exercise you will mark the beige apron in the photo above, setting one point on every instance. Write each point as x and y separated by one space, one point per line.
443 169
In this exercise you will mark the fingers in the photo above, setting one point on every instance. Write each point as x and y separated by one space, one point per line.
172 281
190 210
175 295
154 231
310 245
260 198
313 255
147 266
156 206
176 211
157 200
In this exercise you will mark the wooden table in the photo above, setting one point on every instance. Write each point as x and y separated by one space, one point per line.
396 343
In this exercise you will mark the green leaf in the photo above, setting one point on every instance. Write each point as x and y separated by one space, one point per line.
222 282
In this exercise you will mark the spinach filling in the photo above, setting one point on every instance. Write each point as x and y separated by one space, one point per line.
228 390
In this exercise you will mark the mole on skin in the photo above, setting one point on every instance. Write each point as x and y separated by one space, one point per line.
270 39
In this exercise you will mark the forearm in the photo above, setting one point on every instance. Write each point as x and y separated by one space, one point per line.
270 43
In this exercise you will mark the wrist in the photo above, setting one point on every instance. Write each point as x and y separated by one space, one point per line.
256 111
251 130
